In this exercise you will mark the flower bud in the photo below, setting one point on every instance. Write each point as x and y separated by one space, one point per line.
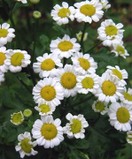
36 14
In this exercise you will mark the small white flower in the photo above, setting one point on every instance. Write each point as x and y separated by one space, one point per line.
3 57
100 107
127 96
67 77
88 83
129 137
120 116
105 4
45 109
23 1
17 59
119 49
76 125
46 65
88 11
110 89
47 131
62 14
25 145
48 91
17 118
64 47
6 34
110 33
84 63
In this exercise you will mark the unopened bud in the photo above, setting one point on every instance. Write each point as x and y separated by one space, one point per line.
37 14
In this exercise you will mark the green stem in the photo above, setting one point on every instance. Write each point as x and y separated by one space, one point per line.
97 44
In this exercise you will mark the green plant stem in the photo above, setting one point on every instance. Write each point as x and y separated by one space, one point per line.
82 37
27 88
97 44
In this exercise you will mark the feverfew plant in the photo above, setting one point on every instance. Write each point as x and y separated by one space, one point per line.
63 93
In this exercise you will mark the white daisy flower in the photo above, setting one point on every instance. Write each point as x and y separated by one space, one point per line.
76 125
25 145
105 4
6 34
88 11
2 77
45 109
127 96
64 47
48 91
120 116
129 137
17 118
23 1
3 57
88 83
62 14
17 59
119 49
110 33
46 65
47 131
67 77
110 89
101 107
84 63
122 75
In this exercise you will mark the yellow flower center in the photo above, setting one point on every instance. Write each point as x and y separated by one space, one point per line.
111 30
64 12
108 88
84 63
2 58
48 64
120 49
16 59
3 33
44 108
68 80
123 115
117 73
100 106
48 93
65 45
49 131
87 82
76 126
26 146
88 10
127 96
17 118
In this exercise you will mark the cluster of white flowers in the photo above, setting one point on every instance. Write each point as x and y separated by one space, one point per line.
10 60
65 72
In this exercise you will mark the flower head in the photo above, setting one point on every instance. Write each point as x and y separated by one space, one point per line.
127 96
64 47
62 14
17 118
67 77
46 65
120 116
48 91
25 145
17 59
48 132
6 34
3 57
76 125
110 33
84 63
88 11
